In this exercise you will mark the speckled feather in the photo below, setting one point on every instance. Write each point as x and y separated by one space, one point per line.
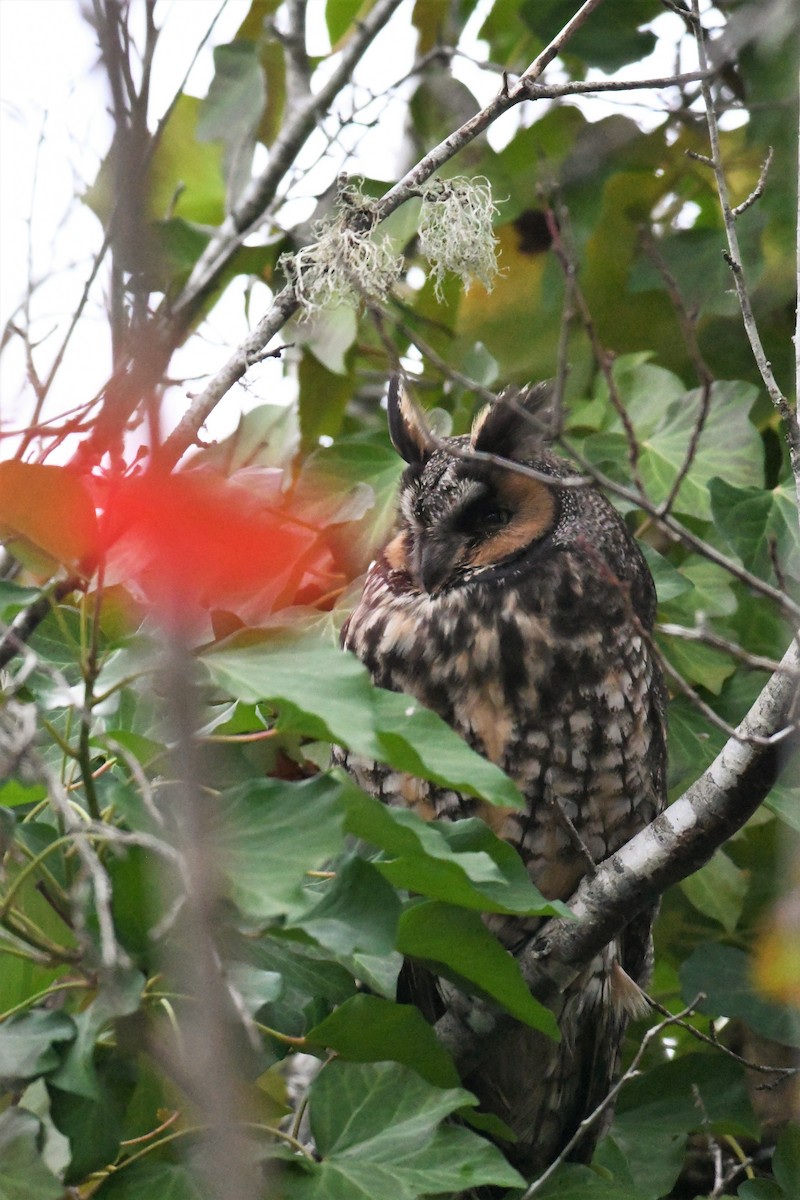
519 610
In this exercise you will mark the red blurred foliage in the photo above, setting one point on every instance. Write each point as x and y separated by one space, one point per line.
197 539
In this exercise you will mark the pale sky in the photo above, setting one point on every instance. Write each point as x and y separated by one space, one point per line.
54 132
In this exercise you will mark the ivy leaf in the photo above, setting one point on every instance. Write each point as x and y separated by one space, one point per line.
668 580
462 862
698 663
377 1129
784 802
723 974
24 1175
753 520
94 1124
358 911
711 591
370 1029
574 1182
443 936
786 1163
28 1044
273 832
622 39
167 1181
718 890
232 109
663 1102
729 447
119 996
334 471
326 694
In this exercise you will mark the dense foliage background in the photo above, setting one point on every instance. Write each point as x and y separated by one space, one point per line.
189 899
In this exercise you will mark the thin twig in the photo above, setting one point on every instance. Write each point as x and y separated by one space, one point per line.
700 634
734 259
762 1068
593 1117
758 190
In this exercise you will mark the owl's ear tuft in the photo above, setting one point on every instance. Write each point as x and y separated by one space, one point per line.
410 435
519 425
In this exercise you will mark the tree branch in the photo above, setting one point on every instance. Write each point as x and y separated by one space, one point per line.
301 121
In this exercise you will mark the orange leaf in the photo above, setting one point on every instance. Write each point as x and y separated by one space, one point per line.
194 538
48 508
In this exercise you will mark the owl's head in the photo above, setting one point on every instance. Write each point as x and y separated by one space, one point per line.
464 515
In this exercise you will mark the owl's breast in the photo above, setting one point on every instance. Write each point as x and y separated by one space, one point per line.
472 654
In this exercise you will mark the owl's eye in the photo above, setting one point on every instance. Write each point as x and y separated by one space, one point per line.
482 517
495 518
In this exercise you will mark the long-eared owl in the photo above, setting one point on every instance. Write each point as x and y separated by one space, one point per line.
517 606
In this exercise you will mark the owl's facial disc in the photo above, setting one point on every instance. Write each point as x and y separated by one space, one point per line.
466 525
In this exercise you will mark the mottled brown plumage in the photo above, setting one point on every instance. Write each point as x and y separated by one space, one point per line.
520 610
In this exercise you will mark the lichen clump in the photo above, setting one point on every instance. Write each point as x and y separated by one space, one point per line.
455 230
346 264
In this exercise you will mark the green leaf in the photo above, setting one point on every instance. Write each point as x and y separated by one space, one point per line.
461 862
444 936
336 470
311 984
574 1182
339 16
369 1029
329 334
324 397
693 742
758 523
24 1175
256 987
13 793
786 1162
712 592
94 1124
119 996
376 1127
668 580
718 890
663 1102
729 447
185 175
266 436
762 1189
271 833
723 974
358 912
232 110
28 1044
326 694
697 662
156 1180
784 801
620 41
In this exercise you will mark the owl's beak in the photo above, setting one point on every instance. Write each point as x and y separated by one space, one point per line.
434 564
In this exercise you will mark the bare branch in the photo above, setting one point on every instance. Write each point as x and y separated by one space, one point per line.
608 1100
300 122
758 190
734 258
